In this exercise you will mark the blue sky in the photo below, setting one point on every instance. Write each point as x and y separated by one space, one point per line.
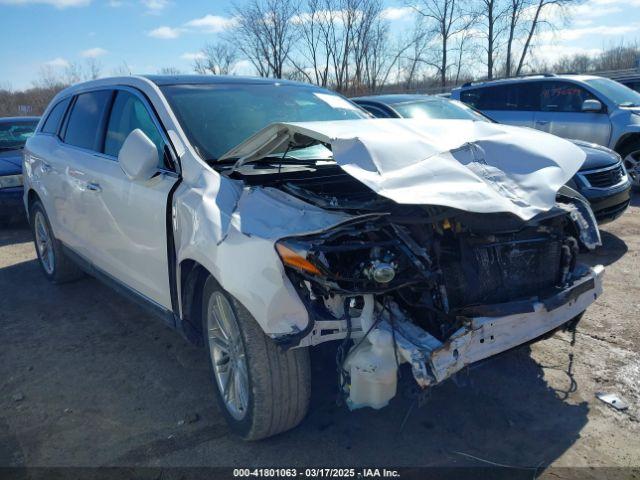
151 34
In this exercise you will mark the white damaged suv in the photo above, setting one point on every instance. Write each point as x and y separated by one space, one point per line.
261 217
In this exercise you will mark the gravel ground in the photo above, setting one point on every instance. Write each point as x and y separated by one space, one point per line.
87 378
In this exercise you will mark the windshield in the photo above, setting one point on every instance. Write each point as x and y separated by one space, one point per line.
616 92
13 135
439 109
216 118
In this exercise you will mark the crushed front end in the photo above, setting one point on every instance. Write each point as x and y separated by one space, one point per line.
445 242
435 287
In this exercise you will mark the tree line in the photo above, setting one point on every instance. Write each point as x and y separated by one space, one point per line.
349 46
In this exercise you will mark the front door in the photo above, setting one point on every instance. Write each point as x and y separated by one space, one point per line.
129 218
560 113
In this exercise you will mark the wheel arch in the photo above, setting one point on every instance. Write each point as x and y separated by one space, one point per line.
192 276
627 139
32 197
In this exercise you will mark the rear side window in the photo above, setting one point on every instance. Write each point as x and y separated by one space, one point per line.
86 120
563 97
127 114
52 122
515 96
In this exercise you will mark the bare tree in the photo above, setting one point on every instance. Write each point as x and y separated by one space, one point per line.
93 69
265 33
538 21
169 71
515 13
446 18
491 15
217 59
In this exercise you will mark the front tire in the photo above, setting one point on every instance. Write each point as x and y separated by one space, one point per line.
262 389
631 158
56 266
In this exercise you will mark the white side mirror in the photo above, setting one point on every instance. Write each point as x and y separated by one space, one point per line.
592 105
138 156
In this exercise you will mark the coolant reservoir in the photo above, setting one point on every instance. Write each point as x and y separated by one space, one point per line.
373 372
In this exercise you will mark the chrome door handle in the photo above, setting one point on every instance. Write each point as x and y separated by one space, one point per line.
94 187
46 168
542 122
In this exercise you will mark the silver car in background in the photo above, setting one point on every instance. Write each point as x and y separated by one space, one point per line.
581 107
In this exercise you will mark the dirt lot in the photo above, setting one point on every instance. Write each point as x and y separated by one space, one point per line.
88 378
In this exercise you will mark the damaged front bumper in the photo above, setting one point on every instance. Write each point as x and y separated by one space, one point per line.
498 329
485 336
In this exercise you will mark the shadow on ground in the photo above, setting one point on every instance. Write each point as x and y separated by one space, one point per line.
105 384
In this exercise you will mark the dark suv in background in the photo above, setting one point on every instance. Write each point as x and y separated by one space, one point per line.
602 178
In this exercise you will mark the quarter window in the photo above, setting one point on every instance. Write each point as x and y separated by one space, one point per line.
563 97
86 121
127 114
53 120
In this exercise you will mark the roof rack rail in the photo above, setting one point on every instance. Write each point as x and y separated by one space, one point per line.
478 82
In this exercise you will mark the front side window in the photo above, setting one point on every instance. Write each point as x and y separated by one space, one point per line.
619 94
216 118
127 114
14 134
86 120
52 122
563 97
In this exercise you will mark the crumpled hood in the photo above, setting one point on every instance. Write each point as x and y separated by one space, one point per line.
473 166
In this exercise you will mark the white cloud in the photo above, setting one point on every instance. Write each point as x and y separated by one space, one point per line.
551 53
211 23
155 6
93 52
58 62
165 33
570 34
55 3
397 13
192 56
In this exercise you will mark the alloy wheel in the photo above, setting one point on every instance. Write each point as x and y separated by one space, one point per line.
44 243
227 355
632 164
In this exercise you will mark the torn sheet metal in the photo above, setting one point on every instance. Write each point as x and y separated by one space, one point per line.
231 230
473 166
433 361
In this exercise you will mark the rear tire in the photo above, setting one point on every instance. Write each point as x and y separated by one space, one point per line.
56 266
276 382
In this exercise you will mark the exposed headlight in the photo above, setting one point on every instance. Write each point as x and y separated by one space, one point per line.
296 255
9 181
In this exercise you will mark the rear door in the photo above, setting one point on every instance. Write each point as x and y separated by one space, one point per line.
509 103
560 112
127 228
81 136
44 162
